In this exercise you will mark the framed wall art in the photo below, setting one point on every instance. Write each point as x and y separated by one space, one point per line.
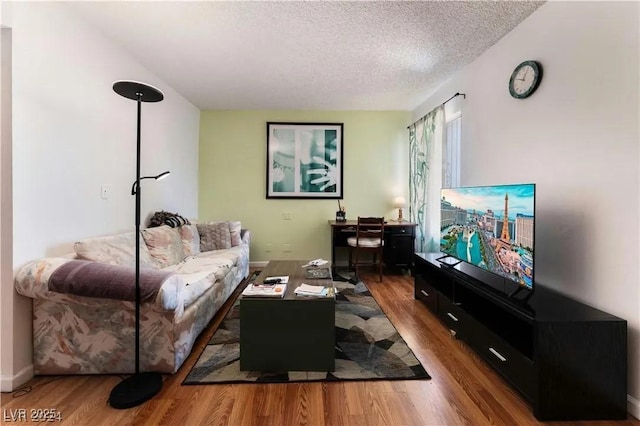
304 160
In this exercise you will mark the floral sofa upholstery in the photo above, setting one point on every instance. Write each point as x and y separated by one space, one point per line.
86 328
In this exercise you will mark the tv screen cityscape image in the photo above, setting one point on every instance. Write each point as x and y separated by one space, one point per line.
491 227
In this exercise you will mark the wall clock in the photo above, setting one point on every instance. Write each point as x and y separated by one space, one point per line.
525 79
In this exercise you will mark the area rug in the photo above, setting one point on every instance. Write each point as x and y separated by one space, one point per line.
368 347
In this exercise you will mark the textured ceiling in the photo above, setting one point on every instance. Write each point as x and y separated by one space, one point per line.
305 55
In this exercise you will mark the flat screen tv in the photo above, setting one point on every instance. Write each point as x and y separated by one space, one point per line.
491 227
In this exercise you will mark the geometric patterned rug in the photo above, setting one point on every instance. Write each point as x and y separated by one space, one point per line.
368 347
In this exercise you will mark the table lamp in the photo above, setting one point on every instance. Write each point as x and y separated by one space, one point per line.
399 203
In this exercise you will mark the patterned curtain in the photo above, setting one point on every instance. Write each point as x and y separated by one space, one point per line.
425 178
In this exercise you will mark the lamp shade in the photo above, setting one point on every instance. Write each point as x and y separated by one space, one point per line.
399 202
163 175
134 187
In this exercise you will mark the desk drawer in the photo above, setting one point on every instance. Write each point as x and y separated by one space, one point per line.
347 230
400 230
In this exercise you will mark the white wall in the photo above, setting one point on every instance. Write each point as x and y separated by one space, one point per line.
577 138
71 134
6 209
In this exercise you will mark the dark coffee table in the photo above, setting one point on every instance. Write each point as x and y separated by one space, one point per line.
292 333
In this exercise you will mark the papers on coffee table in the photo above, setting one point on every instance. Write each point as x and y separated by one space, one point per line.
311 290
317 273
316 262
276 290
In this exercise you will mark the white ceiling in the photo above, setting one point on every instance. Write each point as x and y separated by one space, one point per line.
311 55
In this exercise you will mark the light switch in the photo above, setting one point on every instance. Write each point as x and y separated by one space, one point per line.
105 191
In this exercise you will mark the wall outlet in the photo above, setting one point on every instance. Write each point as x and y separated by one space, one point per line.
268 247
286 248
286 216
105 191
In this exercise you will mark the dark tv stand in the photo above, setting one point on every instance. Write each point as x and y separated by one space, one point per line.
567 359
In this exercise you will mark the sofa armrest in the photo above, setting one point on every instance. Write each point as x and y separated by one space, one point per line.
34 280
245 235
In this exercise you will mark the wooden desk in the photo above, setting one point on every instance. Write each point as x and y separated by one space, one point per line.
399 241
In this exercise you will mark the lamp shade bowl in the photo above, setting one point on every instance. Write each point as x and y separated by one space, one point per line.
134 89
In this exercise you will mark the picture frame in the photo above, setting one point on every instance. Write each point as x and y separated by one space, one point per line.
304 160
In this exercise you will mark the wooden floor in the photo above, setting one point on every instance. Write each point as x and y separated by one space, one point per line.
463 390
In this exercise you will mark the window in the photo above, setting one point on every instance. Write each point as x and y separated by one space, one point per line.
451 152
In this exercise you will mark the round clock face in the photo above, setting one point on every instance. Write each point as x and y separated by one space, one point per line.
525 79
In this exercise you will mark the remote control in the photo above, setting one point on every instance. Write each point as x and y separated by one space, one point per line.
271 281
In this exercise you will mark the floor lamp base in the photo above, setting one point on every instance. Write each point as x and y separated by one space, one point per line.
135 390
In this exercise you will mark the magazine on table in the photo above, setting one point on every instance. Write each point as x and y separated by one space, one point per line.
316 262
261 290
314 290
317 273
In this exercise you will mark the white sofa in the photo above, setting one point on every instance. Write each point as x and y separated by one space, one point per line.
84 309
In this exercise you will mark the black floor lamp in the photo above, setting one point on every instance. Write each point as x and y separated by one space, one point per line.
139 387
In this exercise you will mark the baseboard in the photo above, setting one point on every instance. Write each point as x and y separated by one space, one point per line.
633 407
9 384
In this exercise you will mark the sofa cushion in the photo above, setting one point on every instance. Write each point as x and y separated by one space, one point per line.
206 268
190 239
116 249
214 236
164 244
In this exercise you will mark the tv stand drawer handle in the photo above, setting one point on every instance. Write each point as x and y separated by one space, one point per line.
452 317
424 292
497 354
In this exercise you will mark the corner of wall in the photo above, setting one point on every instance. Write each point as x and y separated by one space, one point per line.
7 293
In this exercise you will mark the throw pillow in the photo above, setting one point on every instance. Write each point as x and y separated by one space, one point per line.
164 244
214 236
116 249
190 239
236 229
166 218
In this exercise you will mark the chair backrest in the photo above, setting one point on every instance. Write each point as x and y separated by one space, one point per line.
370 227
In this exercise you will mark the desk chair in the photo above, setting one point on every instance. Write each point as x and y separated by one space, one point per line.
369 237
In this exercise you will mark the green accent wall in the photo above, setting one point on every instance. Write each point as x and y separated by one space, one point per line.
232 177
